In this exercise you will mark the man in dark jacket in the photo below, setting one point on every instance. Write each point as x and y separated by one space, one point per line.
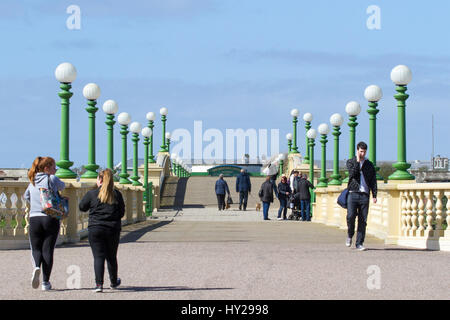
304 193
362 179
244 187
221 189
266 196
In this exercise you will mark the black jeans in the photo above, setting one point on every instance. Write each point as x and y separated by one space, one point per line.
104 244
357 206
43 235
221 201
243 199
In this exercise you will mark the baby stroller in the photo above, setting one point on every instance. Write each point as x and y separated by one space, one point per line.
294 205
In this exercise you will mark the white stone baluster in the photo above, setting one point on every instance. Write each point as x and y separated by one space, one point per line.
447 231
413 213
429 229
8 230
27 217
403 206
408 213
438 230
421 212
19 230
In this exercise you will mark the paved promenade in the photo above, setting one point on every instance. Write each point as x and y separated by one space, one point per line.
201 254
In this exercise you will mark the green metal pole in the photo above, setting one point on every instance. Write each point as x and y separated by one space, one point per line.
311 145
151 157
290 145
323 172
64 163
91 167
352 146
372 111
168 145
280 173
307 127
135 176
294 146
124 174
336 177
110 138
164 144
146 192
401 165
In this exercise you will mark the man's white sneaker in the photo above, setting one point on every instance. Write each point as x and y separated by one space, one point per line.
360 247
279 218
46 286
35 278
348 243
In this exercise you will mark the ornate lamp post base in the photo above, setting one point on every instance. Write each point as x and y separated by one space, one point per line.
91 172
64 172
336 180
401 173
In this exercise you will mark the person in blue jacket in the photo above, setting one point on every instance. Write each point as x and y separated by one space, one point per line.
244 187
221 189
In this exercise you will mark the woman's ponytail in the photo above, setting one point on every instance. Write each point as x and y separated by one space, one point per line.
106 194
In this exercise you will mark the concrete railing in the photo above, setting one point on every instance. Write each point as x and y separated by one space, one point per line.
14 212
410 214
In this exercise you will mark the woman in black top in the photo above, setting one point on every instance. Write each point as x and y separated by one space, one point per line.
106 209
284 190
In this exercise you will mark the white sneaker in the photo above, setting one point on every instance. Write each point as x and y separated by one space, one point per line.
46 286
279 218
35 278
360 247
348 243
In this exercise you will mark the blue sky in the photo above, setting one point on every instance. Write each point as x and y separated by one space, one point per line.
232 64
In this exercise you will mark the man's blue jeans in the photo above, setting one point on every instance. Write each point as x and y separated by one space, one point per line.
266 206
305 206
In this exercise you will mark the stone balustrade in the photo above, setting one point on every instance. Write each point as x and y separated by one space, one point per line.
14 212
410 214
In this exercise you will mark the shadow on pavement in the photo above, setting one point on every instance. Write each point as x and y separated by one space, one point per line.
175 288
135 235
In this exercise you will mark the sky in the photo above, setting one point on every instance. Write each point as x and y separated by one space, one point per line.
231 64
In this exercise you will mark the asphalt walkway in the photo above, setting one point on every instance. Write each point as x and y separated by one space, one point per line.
204 254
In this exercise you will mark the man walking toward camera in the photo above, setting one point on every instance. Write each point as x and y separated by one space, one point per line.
362 179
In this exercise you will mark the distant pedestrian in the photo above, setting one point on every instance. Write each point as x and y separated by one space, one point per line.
44 229
221 189
266 196
244 187
361 180
304 193
284 190
106 210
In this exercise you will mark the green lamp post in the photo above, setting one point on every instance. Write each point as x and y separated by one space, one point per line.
91 92
65 73
401 76
124 120
168 136
163 112
323 130
289 139
146 133
311 135
281 159
336 121
110 107
151 118
353 109
373 94
135 128
173 158
294 113
307 117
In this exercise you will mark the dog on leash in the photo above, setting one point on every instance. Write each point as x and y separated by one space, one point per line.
227 206
258 206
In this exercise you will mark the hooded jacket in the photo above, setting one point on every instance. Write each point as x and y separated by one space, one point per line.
33 195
